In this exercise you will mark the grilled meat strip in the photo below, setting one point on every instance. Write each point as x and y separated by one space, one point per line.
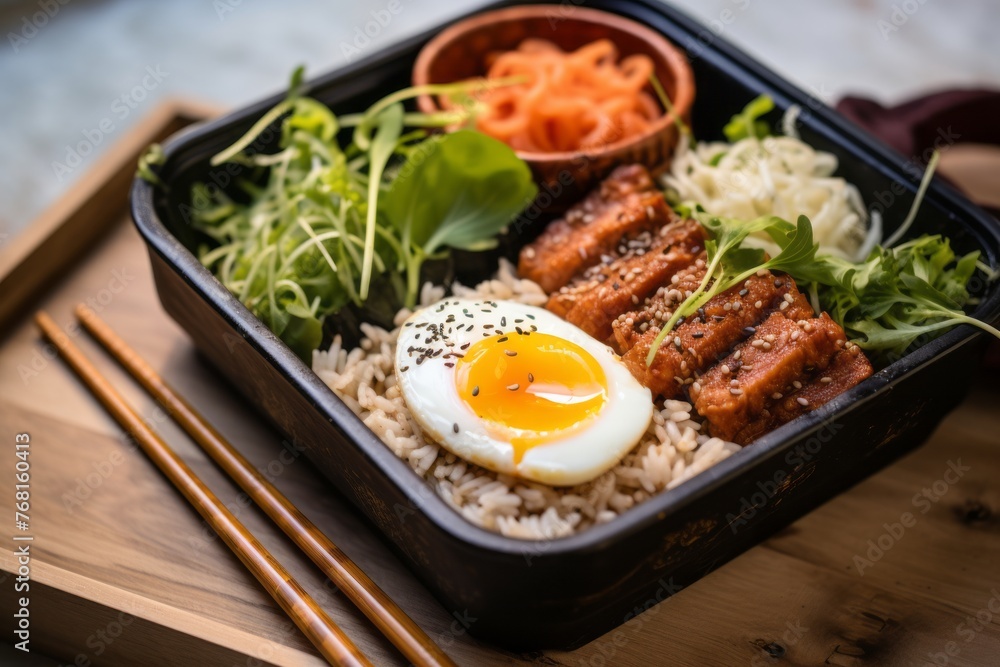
779 353
595 299
848 368
700 341
626 204
619 263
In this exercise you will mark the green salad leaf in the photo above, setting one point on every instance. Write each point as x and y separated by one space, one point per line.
887 303
458 193
323 223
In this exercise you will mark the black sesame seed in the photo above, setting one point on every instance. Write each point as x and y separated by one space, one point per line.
514 387
749 331
510 353
502 339
531 377
519 330
465 346
616 286
503 321
697 334
404 369
779 284
487 326
744 291
475 390
454 427
449 364
530 317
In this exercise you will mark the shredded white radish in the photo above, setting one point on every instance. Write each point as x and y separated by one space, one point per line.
780 176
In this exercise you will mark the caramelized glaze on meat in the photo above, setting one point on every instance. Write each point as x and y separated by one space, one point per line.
847 369
780 352
626 204
619 263
700 341
595 299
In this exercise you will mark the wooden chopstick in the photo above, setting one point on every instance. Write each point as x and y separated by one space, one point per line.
330 640
387 616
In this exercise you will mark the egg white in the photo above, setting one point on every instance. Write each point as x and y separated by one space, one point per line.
429 389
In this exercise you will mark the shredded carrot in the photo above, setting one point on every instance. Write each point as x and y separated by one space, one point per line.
581 100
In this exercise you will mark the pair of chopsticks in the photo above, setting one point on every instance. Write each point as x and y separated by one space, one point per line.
320 629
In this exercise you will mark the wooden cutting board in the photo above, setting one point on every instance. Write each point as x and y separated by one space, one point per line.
123 572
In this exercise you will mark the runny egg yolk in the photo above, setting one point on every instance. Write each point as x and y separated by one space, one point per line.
528 388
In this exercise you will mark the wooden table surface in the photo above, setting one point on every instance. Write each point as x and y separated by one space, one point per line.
900 570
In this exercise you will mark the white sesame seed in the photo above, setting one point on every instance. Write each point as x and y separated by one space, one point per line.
826 380
757 343
737 354
797 384
735 392
802 401
766 346
783 306
734 383
769 338
725 369
758 304
727 307
777 395
788 297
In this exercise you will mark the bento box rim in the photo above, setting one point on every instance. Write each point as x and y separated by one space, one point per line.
821 119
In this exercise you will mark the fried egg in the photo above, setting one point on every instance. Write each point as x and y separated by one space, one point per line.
517 390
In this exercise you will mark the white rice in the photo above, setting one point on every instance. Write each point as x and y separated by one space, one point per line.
671 452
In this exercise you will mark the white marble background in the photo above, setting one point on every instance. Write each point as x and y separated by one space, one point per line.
62 75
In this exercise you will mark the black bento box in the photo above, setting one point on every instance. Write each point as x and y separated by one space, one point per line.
566 592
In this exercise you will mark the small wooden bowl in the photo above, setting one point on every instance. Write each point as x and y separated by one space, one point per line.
460 52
